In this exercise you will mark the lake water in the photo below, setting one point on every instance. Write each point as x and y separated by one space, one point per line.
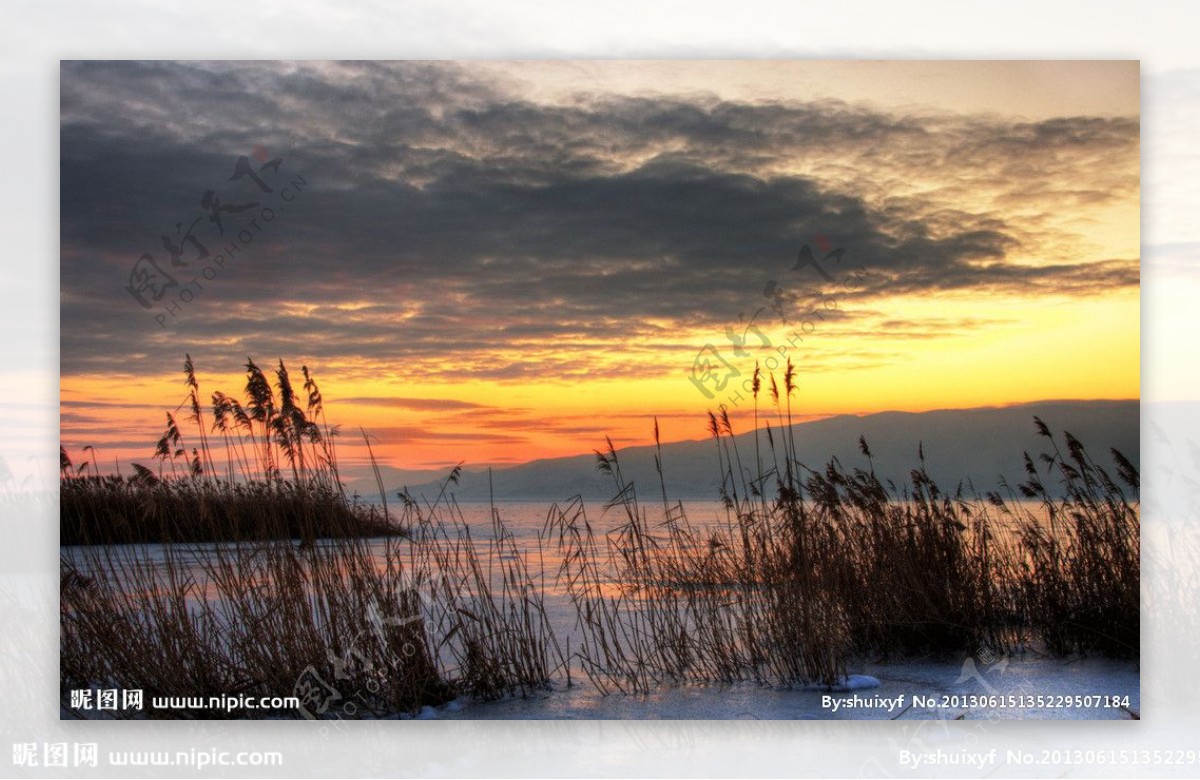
982 674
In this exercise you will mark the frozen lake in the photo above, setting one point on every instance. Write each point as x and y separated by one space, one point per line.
980 685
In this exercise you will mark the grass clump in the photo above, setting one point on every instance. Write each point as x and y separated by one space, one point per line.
808 572
812 570
383 626
274 475
248 570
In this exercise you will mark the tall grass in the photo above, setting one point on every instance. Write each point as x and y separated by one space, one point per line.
247 618
394 624
486 604
1080 570
809 571
228 603
834 564
120 510
274 474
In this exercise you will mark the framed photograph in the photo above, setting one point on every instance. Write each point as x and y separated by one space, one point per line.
600 390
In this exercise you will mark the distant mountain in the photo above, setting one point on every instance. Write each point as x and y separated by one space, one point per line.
360 479
959 444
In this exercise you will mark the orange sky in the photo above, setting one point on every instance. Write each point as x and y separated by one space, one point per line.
988 215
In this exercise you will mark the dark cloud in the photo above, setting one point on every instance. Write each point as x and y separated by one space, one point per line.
423 404
98 404
78 419
75 442
391 434
443 218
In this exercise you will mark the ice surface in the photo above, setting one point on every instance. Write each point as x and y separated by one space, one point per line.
1017 677
853 682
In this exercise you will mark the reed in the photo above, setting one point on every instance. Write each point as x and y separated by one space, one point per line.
394 624
838 565
235 491
259 583
262 573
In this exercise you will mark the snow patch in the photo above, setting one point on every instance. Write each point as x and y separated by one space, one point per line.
853 682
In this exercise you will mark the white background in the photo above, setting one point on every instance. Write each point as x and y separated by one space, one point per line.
34 36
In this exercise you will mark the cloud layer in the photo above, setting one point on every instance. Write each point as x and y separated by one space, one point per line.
450 223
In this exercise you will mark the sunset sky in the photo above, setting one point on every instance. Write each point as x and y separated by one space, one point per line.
494 262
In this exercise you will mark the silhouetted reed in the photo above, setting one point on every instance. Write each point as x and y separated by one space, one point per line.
808 572
235 491
225 601
834 565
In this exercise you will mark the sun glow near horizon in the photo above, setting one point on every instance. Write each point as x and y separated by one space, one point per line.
1070 351
498 262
